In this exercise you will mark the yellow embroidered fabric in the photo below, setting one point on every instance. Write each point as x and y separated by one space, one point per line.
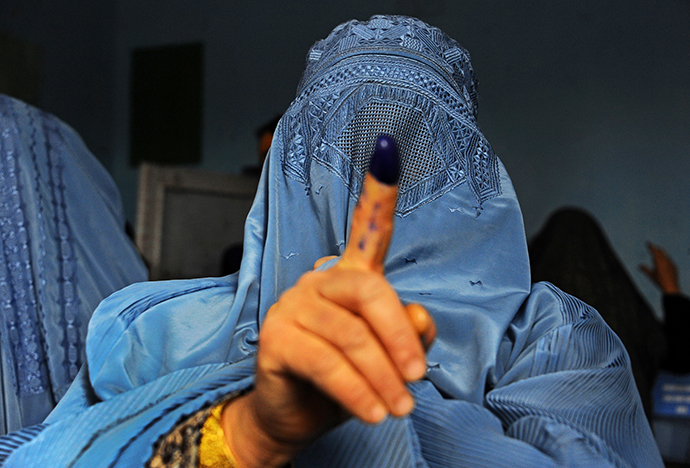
213 450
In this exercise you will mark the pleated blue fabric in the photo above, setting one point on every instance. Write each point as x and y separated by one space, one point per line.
63 250
519 375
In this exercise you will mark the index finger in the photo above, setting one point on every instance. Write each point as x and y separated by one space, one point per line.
372 225
372 222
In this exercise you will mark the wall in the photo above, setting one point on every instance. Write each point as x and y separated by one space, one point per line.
77 40
255 53
588 104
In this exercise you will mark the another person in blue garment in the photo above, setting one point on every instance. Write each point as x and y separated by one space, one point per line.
63 249
279 364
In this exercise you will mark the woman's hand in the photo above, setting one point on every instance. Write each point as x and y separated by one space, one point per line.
337 344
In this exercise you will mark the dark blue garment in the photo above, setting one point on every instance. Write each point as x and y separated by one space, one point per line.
519 375
63 249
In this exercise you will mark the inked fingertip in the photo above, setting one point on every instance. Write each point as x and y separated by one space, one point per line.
385 162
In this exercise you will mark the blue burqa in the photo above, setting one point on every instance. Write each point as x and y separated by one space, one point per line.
519 375
63 249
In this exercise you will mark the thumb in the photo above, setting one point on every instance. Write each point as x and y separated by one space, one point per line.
422 322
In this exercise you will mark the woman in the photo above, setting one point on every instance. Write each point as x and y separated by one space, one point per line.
63 249
517 375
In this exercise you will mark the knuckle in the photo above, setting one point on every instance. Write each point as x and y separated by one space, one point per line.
310 278
399 338
269 352
268 339
325 366
360 396
276 334
373 287
355 335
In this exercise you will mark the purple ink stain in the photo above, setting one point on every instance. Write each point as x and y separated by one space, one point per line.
385 162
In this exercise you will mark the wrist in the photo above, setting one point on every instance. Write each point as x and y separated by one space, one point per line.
248 442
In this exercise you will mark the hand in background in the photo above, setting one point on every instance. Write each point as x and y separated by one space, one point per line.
663 271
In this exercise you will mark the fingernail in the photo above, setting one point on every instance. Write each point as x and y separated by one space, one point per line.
404 405
378 412
385 162
415 369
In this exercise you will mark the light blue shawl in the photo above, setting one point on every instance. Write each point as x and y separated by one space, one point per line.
519 375
63 249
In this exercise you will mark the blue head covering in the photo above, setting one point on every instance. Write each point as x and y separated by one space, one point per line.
63 250
458 217
516 377
382 76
